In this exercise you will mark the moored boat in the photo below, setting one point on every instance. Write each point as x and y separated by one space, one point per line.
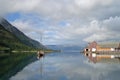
40 54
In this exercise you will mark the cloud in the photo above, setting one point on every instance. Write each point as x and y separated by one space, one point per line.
107 29
112 23
66 21
71 32
62 9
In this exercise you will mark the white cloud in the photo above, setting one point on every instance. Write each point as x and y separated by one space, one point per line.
107 29
72 33
92 3
28 28
59 9
85 20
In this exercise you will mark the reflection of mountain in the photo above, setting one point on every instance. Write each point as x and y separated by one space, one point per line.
10 64
20 36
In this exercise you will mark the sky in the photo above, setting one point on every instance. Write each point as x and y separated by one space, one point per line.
64 21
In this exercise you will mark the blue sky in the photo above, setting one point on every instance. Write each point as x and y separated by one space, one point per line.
13 16
64 21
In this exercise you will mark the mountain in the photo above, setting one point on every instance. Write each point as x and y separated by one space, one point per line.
66 48
9 42
20 35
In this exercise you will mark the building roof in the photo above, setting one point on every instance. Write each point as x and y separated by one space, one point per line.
109 44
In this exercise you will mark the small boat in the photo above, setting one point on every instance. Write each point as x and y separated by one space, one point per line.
40 54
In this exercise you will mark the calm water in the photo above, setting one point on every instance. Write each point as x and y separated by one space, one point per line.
68 66
11 63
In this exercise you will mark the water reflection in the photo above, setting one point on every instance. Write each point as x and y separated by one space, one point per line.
103 58
68 66
11 63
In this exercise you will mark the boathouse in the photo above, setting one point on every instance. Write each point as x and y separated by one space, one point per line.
92 47
95 47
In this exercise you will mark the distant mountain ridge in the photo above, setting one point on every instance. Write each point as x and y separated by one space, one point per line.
66 47
20 35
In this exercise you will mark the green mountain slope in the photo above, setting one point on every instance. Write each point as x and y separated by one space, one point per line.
20 35
9 41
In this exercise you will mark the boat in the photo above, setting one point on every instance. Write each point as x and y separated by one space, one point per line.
40 54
